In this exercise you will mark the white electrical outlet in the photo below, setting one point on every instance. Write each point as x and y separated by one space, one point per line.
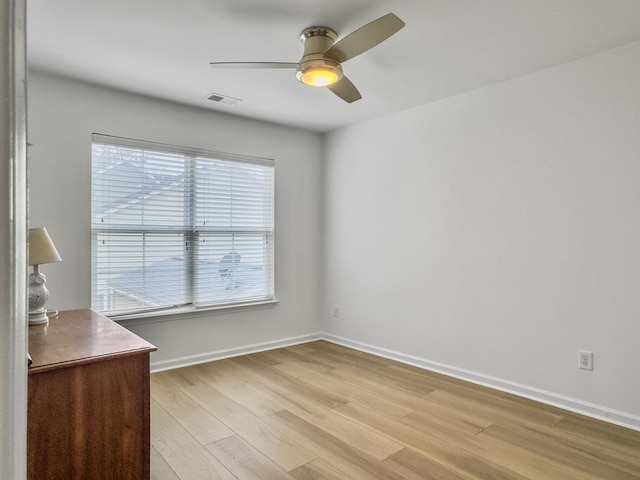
336 311
585 360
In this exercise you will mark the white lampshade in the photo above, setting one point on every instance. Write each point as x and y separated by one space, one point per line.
41 247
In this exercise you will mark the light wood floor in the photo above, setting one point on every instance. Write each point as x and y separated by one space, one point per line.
322 411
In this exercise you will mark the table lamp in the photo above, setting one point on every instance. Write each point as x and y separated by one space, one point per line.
41 250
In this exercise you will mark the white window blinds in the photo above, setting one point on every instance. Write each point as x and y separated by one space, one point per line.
174 227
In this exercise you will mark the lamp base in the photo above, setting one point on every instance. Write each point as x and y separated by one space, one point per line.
38 296
38 317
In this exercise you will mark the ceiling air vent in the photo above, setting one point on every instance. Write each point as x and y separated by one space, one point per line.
223 99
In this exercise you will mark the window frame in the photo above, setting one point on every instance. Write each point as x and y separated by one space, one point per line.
191 154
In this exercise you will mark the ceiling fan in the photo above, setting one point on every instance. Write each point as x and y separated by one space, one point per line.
321 62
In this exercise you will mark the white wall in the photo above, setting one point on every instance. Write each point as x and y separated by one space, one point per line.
495 233
62 116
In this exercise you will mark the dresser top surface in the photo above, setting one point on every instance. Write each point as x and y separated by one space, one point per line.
80 336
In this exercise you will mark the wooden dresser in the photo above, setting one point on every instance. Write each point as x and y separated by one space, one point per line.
89 404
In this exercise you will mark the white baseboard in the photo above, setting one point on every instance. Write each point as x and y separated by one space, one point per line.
599 412
231 352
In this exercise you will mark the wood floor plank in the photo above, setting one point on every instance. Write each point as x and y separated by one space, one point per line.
414 466
260 357
349 390
374 368
337 356
550 447
245 461
203 426
324 411
160 469
529 462
328 359
286 355
461 451
431 422
504 402
379 385
302 348
376 444
345 457
319 470
584 440
493 411
603 433
280 449
452 457
354 356
427 413
186 457
269 375
438 381
222 377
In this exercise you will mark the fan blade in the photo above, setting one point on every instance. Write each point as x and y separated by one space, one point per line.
364 38
253 65
346 90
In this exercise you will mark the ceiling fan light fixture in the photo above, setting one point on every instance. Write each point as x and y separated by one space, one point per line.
319 72
319 76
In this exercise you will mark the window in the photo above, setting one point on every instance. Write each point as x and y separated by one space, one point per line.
176 228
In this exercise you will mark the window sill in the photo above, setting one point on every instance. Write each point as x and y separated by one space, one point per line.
177 313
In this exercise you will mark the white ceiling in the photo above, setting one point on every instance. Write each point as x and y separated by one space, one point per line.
162 48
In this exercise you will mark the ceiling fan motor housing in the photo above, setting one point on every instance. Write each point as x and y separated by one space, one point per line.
314 68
